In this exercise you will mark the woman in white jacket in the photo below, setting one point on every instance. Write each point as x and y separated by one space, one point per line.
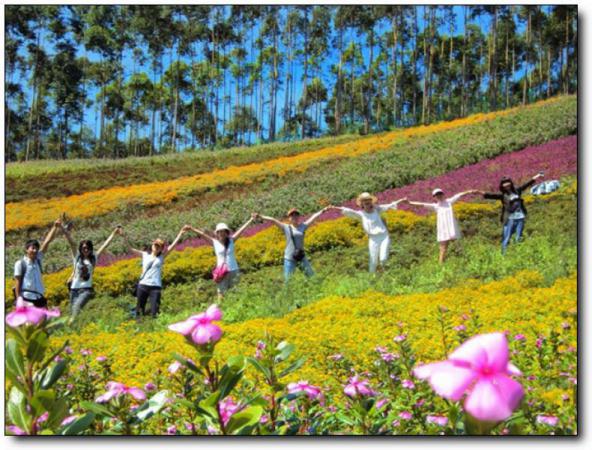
378 237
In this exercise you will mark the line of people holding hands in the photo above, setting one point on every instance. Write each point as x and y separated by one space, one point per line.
29 289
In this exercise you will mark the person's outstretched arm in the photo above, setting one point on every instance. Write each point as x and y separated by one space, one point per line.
129 246
348 212
270 219
315 216
530 182
103 247
458 196
392 205
240 231
422 204
51 235
182 231
73 248
491 195
203 234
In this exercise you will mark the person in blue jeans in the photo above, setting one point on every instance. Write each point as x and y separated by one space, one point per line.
294 230
514 212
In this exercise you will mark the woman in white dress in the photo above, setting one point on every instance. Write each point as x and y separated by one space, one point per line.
446 224
379 241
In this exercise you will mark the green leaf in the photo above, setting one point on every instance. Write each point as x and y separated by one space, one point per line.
260 367
53 374
293 367
37 347
42 401
57 413
232 372
239 422
209 405
99 410
17 410
14 360
285 350
152 406
79 425
49 360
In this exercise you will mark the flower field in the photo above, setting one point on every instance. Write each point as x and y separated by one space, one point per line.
483 344
42 211
439 153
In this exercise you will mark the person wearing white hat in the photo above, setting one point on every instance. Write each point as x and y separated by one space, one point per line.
294 230
226 272
446 224
378 237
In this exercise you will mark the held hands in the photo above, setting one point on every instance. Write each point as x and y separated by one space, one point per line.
539 175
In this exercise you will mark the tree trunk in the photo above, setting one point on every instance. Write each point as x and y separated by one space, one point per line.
395 72
305 93
424 96
370 90
416 32
526 74
274 85
463 88
339 86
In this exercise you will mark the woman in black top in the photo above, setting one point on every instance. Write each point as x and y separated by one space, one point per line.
513 210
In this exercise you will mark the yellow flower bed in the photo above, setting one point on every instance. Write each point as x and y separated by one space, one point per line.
354 326
262 249
36 213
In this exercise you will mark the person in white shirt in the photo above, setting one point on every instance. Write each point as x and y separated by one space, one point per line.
378 237
294 255
150 282
446 224
226 264
28 287
84 263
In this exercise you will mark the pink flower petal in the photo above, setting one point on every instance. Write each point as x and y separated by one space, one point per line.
493 399
215 332
513 370
201 335
214 313
186 327
449 380
350 390
137 393
53 312
471 352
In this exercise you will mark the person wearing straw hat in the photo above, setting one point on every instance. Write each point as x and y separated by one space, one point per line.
150 283
446 224
378 237
226 273
294 230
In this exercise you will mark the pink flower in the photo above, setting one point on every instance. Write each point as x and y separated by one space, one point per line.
437 420
539 342
389 357
552 421
29 315
172 430
264 419
312 392
357 387
336 357
42 418
199 329
174 367
380 403
16 431
101 359
400 338
85 352
519 337
408 384
227 408
68 350
68 420
460 327
419 403
115 389
565 325
395 423
149 387
261 345
189 426
381 349
405 415
480 368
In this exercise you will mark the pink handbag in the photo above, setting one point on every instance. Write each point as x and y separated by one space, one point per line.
220 272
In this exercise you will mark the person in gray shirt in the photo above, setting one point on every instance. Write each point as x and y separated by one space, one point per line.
294 231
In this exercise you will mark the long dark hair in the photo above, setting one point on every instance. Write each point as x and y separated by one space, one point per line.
507 180
89 244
